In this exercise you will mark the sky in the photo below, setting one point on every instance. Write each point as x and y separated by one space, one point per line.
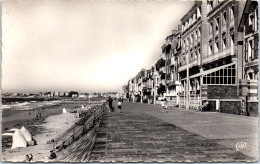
84 46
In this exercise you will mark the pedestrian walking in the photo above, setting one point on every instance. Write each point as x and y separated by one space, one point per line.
119 104
110 104
163 105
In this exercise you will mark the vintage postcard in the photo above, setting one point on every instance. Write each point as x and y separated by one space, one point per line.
129 81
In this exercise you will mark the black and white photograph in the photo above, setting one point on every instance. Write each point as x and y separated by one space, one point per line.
125 81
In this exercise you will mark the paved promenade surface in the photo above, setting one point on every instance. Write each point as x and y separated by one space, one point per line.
140 132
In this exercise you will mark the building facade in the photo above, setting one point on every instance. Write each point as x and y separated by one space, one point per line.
213 56
250 72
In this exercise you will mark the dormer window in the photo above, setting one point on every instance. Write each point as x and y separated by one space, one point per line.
194 18
190 21
186 25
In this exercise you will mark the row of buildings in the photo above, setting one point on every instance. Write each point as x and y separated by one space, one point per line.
212 55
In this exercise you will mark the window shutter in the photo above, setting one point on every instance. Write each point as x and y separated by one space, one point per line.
246 54
253 50
256 19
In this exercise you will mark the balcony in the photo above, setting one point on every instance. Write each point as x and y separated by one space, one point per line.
251 63
219 55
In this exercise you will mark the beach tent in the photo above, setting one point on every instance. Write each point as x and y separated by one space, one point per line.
64 110
26 134
18 140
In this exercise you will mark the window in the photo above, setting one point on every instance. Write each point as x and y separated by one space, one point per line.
184 44
198 12
217 2
256 19
194 18
186 25
224 19
210 5
198 53
224 42
216 45
195 37
217 24
250 75
198 32
187 44
210 48
225 76
191 40
251 19
232 13
250 50
191 56
190 21
210 27
232 44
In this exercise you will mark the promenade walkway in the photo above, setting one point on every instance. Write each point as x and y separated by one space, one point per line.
140 132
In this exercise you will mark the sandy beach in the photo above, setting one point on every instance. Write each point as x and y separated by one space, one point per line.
49 125
52 128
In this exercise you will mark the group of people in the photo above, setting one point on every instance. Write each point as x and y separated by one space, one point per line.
119 104
110 104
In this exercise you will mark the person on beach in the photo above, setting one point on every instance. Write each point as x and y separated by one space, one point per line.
52 155
29 158
110 104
